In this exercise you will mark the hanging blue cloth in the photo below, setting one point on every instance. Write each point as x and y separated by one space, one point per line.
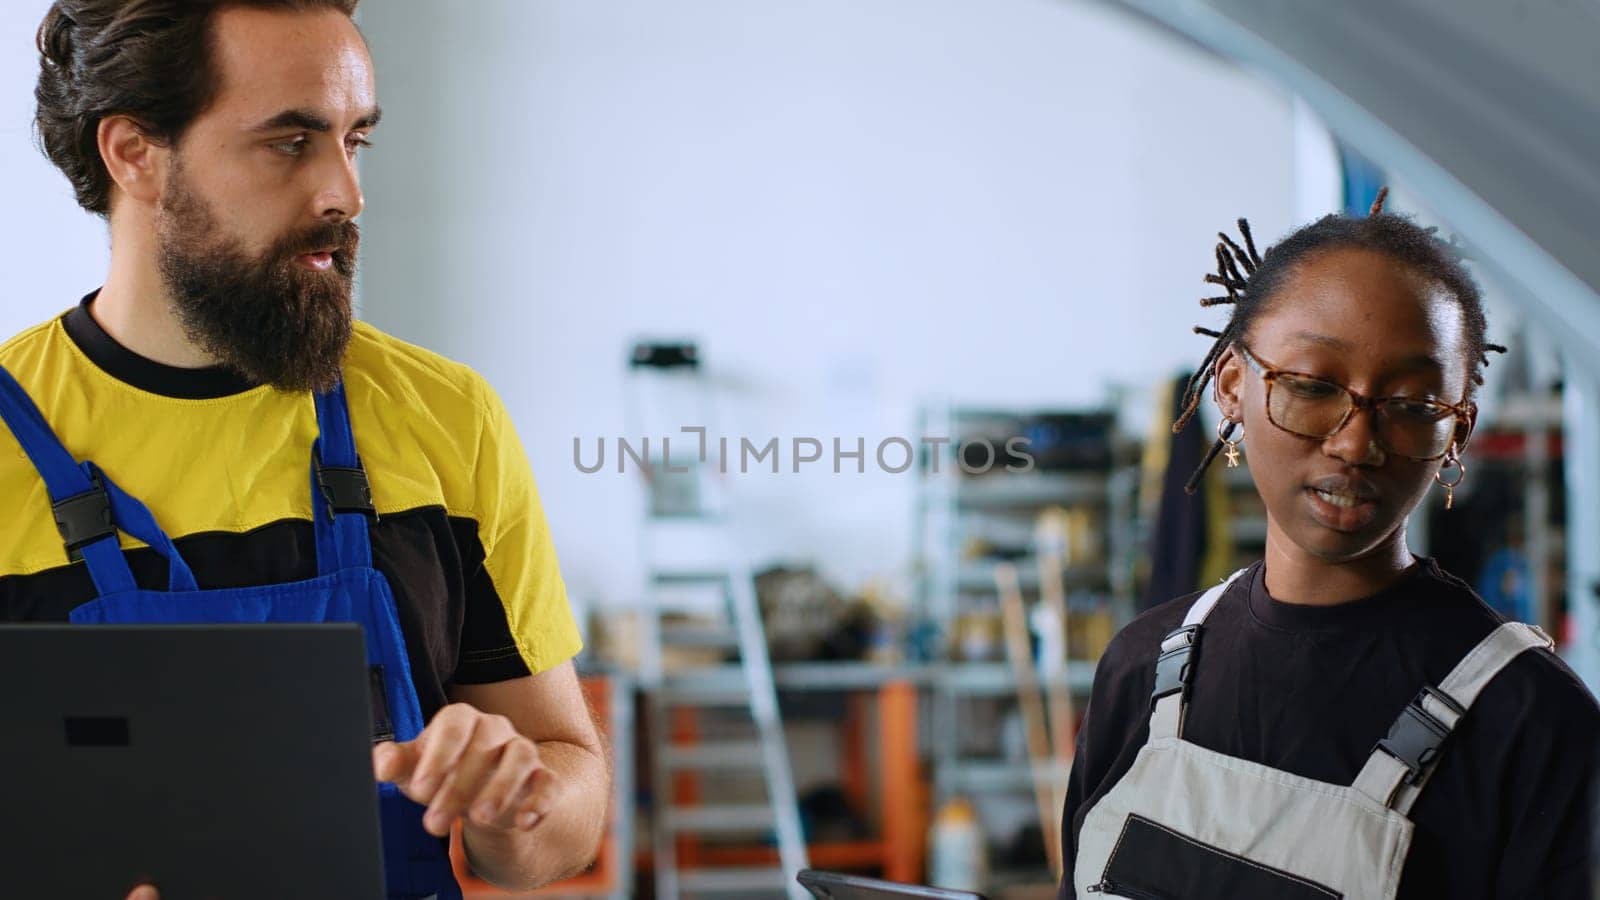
90 508
1504 584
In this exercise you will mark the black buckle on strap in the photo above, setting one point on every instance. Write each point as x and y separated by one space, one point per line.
1175 667
83 519
345 490
1416 736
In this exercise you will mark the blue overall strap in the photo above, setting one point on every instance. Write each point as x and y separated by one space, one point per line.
135 518
340 497
85 501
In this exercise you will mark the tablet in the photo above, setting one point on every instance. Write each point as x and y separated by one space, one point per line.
214 760
833 886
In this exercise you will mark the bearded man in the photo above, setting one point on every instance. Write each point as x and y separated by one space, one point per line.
217 373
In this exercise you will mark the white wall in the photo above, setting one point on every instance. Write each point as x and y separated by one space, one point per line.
51 252
852 206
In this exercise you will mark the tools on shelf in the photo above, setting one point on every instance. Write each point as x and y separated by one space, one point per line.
1029 566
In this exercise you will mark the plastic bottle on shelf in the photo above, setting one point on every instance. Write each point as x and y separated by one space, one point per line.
958 857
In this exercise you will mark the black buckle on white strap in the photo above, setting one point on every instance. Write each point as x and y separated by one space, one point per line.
1175 665
345 490
1416 736
83 519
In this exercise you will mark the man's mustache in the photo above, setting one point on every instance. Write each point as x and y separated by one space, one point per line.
342 237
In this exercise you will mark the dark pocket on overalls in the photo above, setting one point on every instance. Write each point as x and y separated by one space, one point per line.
1153 862
382 725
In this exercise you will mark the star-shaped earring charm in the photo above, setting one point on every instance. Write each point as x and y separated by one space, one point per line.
1233 456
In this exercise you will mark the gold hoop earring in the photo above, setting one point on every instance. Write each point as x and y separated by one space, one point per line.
1451 459
1225 430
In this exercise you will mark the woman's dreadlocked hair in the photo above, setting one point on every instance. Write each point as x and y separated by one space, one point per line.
1250 279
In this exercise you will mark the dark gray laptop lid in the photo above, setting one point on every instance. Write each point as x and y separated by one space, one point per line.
228 761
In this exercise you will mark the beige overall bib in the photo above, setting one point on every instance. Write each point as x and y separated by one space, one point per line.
1187 822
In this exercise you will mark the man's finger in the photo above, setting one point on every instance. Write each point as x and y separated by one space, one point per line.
505 790
435 821
491 736
395 762
544 795
442 743
144 892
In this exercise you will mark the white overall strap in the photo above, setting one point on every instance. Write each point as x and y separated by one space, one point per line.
1401 763
1173 667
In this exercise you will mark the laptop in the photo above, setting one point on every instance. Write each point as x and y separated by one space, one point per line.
834 886
229 761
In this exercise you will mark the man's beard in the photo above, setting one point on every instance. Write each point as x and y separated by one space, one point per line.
266 316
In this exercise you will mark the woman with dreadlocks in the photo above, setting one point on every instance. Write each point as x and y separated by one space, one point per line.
1341 719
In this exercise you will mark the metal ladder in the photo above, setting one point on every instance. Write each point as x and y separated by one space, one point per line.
695 565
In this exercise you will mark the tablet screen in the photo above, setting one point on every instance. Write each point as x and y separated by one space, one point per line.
833 886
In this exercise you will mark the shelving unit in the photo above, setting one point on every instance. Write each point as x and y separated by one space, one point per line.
1515 485
967 524
896 850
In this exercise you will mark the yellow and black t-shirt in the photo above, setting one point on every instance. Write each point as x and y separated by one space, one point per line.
224 466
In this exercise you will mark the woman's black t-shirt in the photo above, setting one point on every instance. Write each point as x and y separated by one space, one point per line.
1511 808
